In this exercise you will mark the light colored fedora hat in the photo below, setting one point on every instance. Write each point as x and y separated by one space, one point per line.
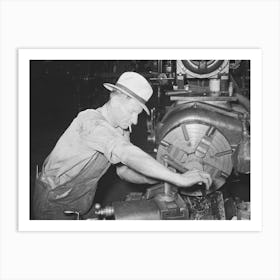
135 86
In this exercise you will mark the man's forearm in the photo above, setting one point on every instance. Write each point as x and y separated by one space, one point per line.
132 176
143 163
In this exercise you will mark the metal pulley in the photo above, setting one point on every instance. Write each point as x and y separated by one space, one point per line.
202 68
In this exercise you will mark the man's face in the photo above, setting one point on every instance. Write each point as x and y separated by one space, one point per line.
127 112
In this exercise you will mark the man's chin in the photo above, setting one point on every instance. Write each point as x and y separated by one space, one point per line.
124 127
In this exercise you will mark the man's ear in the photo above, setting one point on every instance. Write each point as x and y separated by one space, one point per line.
115 99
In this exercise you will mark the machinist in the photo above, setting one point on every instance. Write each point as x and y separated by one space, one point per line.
94 140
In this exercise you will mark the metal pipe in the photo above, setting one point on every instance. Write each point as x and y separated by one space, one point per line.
167 187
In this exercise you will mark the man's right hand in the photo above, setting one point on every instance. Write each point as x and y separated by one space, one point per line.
193 177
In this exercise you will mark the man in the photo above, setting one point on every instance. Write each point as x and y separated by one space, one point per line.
95 140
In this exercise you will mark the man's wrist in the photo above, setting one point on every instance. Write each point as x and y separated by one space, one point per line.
178 180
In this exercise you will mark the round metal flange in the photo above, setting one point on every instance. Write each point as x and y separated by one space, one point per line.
201 68
197 146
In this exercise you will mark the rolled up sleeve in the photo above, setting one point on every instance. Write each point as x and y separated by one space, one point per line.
99 135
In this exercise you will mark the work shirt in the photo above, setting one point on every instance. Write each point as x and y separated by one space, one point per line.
70 173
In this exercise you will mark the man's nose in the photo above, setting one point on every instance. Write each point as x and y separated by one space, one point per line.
135 119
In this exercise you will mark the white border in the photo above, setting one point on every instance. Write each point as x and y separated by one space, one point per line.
25 55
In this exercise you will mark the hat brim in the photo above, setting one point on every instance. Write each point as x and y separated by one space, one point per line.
111 87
